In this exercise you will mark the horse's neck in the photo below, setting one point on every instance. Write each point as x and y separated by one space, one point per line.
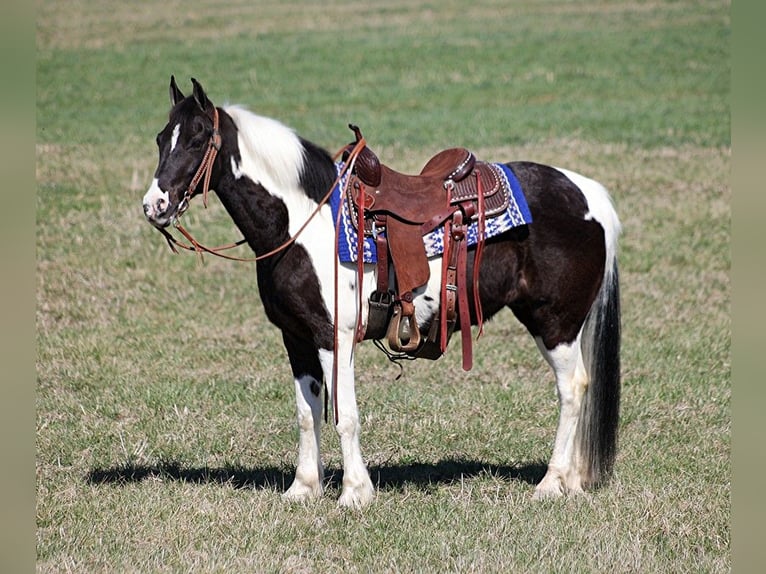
288 167
272 180
260 217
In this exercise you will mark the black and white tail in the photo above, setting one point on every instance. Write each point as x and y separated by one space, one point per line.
596 439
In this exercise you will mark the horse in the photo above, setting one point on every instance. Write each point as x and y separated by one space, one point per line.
558 275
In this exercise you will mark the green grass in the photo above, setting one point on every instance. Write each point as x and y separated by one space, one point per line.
165 410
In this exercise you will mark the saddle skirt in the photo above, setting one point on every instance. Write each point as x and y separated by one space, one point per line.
515 214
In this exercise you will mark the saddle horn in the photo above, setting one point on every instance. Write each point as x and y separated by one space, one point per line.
367 166
357 132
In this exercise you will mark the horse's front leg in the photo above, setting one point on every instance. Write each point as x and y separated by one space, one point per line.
357 486
307 372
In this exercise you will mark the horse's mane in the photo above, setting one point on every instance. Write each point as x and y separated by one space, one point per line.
273 150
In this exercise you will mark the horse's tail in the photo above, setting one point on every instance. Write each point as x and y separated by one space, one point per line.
596 440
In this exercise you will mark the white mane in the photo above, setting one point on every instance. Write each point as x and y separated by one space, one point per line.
272 153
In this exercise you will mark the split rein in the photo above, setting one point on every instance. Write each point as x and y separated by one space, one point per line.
204 172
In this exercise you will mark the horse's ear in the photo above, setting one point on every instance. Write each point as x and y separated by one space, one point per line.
175 94
200 95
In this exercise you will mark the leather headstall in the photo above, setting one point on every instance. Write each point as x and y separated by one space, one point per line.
205 168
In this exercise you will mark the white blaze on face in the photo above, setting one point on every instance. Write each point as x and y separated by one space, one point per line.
174 137
156 201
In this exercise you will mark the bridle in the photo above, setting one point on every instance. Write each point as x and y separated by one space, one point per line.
205 168
204 173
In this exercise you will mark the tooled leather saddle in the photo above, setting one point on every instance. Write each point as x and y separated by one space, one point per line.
452 190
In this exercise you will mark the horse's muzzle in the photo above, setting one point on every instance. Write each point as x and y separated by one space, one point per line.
157 206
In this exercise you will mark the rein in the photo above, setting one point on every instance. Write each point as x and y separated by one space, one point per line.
205 171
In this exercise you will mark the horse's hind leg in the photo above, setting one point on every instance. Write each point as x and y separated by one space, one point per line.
563 476
307 372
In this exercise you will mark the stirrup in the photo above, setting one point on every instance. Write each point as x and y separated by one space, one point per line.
403 336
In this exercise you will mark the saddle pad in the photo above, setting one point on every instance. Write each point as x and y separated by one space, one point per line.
515 215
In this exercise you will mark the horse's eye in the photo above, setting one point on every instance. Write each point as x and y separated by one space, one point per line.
198 126
197 141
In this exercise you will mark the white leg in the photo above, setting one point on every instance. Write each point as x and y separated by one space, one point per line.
563 476
357 486
309 473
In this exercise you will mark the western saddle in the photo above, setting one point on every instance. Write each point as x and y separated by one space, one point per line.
453 189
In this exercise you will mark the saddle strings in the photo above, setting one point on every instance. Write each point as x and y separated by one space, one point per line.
395 358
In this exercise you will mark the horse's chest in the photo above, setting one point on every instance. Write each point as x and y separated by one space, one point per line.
292 297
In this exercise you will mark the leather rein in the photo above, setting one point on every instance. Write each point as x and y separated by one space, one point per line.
204 173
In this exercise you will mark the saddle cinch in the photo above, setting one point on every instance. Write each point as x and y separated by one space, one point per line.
397 210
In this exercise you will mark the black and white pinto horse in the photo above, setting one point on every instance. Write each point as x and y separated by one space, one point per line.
558 276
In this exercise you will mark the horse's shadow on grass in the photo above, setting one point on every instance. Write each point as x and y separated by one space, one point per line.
386 477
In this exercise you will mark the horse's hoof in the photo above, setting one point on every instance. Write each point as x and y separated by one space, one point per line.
555 485
356 497
543 494
551 486
300 492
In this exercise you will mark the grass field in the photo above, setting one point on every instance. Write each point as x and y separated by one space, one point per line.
165 410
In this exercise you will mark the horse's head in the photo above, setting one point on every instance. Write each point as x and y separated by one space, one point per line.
187 146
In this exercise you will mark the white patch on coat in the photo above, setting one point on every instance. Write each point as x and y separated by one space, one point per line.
427 298
271 153
601 209
155 201
175 136
235 168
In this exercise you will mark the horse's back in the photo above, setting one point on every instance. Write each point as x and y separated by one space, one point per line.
557 193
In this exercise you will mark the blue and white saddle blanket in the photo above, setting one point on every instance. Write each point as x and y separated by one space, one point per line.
516 215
